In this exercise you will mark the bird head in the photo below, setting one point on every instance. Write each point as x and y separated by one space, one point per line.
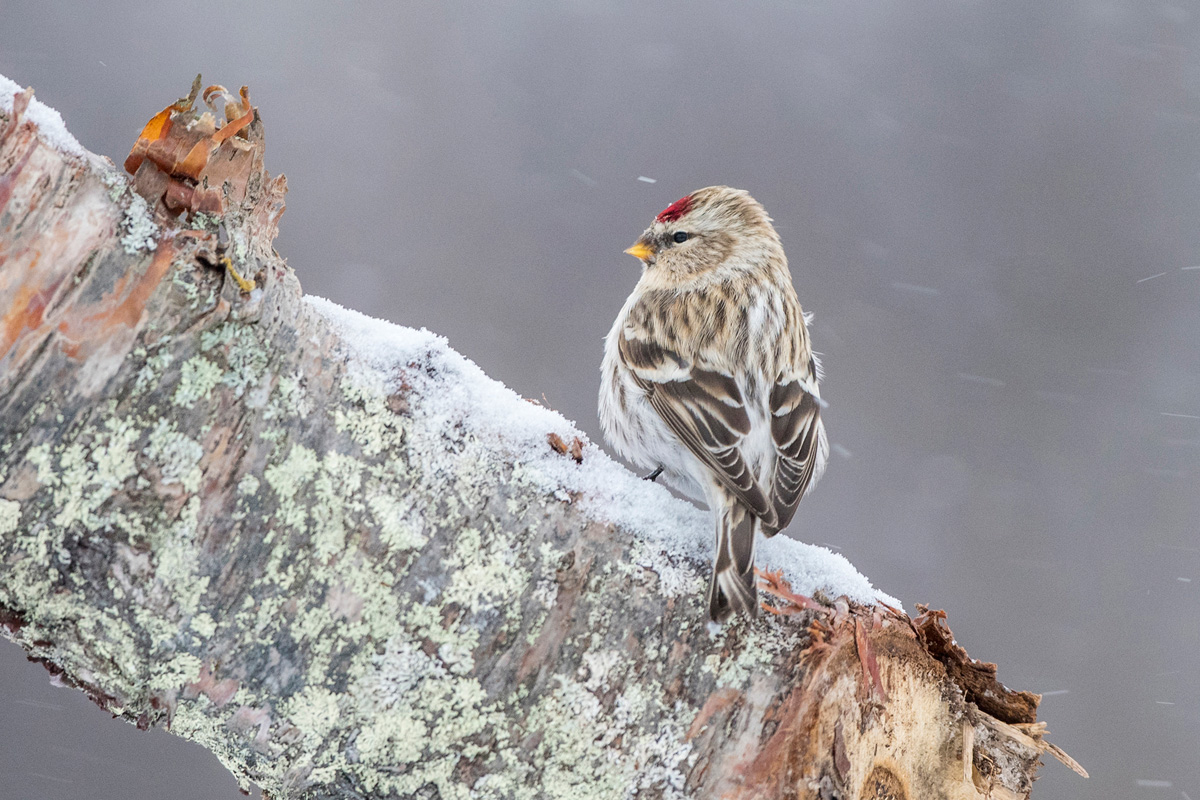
707 228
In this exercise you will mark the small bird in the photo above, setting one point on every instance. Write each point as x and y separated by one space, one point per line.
709 378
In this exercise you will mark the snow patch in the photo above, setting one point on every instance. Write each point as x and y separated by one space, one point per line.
455 391
54 131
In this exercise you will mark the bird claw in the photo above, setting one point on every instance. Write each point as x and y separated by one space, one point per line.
657 471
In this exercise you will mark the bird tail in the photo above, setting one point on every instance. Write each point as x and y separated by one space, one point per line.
732 586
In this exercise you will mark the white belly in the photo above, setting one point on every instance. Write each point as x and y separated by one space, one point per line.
639 435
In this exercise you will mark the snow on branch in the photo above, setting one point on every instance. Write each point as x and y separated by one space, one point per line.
457 392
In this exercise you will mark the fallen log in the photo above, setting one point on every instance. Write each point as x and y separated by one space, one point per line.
337 555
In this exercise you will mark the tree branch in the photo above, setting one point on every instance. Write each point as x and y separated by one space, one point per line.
334 553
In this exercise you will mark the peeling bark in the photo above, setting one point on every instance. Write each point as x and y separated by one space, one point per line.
207 524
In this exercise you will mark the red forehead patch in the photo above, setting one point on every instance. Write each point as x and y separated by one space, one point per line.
675 210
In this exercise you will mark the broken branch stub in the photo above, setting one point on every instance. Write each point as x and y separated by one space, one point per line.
187 162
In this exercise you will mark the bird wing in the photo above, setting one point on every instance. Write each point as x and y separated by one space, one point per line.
704 408
799 438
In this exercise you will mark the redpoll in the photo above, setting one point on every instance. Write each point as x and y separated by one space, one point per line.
709 377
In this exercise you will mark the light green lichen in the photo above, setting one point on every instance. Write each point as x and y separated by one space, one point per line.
287 478
578 758
292 399
203 626
248 485
337 485
204 221
485 572
177 456
246 359
152 371
366 417
140 232
315 712
197 379
755 654
84 477
180 270
392 739
400 524
179 669
10 515
418 715
239 242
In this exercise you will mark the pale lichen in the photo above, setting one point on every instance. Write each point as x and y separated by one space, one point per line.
292 399
401 524
287 479
176 455
83 477
140 230
152 371
10 515
246 359
315 712
204 626
757 650
197 379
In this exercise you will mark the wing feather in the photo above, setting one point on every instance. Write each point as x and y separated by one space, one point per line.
705 409
799 441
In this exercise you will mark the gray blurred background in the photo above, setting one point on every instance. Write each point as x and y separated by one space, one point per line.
990 207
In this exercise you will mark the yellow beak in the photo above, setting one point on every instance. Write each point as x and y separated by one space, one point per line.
641 250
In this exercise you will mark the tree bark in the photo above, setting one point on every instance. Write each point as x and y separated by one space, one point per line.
214 518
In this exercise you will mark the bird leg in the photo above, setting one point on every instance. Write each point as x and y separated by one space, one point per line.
657 471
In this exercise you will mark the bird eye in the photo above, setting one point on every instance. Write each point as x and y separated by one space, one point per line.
680 237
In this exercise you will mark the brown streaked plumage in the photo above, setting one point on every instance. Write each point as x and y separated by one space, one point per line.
708 374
